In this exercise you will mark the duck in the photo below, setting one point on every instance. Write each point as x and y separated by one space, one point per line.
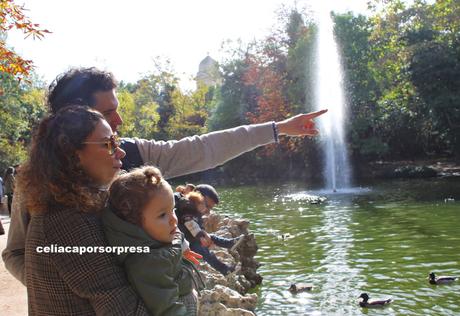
300 287
374 303
285 236
440 279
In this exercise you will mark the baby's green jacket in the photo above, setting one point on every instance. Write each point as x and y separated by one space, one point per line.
158 276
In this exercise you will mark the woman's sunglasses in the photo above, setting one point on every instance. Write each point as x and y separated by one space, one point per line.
111 144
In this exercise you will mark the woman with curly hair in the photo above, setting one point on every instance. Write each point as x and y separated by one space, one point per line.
73 158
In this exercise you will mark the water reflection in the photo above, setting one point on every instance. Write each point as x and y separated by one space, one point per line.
338 278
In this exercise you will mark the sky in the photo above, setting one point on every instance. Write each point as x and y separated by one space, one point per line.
125 37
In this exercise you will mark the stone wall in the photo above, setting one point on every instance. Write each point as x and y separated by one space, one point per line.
227 295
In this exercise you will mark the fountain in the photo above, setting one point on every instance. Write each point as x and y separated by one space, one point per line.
329 94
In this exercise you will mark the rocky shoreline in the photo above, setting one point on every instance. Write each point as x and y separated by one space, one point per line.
365 170
409 169
228 295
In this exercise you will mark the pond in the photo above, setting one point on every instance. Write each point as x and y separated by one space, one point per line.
382 238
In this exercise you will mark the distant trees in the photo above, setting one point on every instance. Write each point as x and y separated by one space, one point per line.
155 107
21 107
402 69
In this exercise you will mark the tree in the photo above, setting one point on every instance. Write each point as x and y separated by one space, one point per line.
21 107
127 110
12 17
234 98
362 91
146 106
434 69
190 113
402 69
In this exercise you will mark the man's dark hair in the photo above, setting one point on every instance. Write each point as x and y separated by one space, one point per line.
209 191
77 87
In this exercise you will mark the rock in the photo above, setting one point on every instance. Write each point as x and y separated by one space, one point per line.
404 169
219 309
414 172
249 247
242 280
210 276
227 295
212 222
229 298
225 227
239 283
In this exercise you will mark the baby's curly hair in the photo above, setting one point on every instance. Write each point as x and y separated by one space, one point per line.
131 192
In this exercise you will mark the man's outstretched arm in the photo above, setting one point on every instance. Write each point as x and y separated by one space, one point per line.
198 153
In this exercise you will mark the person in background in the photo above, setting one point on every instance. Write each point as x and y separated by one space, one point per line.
211 198
2 195
9 186
185 189
190 210
2 231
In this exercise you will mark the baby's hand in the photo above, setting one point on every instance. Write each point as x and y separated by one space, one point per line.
192 256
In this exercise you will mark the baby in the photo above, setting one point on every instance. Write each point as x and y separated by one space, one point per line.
140 214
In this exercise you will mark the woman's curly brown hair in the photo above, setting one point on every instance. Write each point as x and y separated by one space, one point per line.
53 177
129 193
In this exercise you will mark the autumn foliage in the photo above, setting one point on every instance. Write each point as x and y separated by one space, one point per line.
266 71
12 17
271 103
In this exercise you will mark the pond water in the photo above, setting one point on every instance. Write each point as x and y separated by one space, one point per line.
381 238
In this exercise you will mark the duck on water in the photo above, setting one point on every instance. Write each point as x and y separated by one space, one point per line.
365 302
433 279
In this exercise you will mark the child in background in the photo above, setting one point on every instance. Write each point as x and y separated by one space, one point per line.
185 189
140 214
190 210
